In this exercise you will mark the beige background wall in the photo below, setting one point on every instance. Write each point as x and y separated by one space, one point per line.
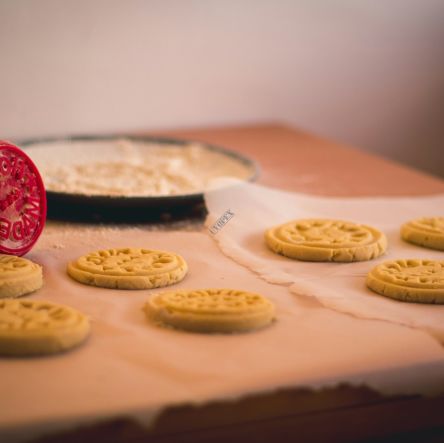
366 72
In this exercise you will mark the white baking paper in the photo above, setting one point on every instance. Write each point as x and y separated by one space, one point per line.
339 286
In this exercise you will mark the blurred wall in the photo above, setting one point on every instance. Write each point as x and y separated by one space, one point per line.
366 72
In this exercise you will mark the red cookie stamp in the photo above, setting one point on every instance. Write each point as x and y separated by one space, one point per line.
22 201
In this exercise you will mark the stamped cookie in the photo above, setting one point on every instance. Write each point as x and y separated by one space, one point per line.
419 281
19 276
326 240
426 231
128 268
30 327
210 310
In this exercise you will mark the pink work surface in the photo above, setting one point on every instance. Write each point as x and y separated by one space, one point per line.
133 368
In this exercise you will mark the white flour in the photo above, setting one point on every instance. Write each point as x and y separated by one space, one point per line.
131 168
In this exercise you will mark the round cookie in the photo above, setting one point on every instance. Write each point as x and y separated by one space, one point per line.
128 268
29 327
210 310
426 231
326 240
419 281
19 276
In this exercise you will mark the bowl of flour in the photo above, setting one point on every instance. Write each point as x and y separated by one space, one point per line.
131 177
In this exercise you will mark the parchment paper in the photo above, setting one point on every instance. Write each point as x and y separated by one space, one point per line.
337 286
132 368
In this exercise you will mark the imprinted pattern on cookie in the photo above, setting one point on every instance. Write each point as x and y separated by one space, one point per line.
19 276
37 327
27 316
211 310
215 301
129 268
326 240
426 231
127 261
409 280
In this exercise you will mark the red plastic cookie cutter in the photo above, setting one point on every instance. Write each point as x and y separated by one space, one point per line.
22 201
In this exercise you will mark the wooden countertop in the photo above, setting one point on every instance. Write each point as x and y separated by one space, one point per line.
296 161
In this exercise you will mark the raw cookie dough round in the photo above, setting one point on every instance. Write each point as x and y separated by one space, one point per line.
19 276
128 268
426 231
30 327
326 240
210 310
412 280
